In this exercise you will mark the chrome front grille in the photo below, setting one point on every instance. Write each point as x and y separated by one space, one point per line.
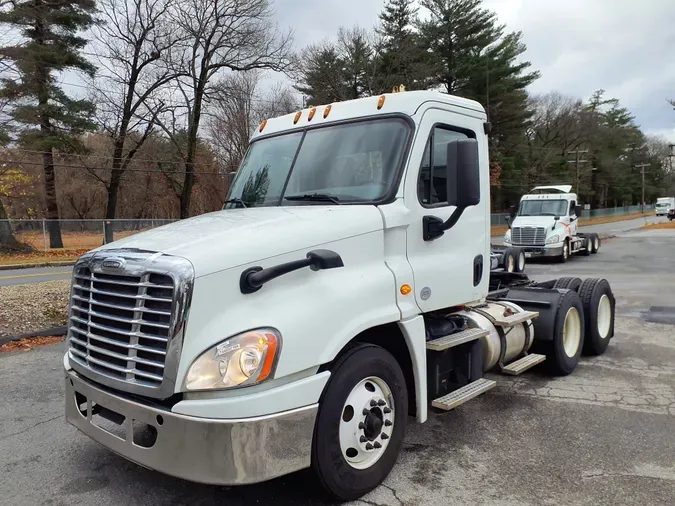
528 236
127 319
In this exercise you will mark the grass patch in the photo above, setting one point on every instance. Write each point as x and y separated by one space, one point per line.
660 226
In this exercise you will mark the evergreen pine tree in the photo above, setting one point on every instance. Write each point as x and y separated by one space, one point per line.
50 119
476 59
404 60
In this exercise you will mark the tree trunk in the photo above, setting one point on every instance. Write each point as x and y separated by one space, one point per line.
52 214
114 186
52 208
191 154
7 239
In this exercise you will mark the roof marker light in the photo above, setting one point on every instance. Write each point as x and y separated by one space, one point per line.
326 111
262 125
380 102
297 117
312 112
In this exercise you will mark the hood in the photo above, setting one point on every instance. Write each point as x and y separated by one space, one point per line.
533 221
234 237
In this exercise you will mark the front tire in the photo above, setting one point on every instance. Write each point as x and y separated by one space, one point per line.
596 242
565 252
510 261
361 422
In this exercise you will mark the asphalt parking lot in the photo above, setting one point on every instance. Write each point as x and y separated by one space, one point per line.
602 436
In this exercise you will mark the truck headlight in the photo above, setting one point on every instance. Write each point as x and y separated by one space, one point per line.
553 239
242 360
507 237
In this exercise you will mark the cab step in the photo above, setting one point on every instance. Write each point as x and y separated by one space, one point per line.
523 364
461 395
465 336
515 319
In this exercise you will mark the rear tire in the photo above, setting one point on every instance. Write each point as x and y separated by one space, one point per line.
562 354
345 467
596 243
520 261
510 261
599 305
568 283
588 244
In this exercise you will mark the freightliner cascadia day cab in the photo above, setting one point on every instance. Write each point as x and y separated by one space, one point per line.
345 287
546 225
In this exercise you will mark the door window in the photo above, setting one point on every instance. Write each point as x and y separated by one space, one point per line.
431 183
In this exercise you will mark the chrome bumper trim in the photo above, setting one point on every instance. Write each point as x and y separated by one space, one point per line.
217 452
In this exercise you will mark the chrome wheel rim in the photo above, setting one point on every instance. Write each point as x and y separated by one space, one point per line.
596 244
572 332
604 316
565 251
511 264
366 423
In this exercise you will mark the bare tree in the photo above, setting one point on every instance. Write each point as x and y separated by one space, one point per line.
134 46
238 35
237 109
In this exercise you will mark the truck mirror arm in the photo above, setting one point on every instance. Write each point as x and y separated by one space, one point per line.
434 227
253 278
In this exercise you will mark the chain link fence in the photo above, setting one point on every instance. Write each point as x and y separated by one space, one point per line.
80 235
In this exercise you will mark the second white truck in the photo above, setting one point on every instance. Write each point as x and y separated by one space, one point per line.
663 205
546 225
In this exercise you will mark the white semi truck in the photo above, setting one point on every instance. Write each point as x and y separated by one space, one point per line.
546 225
663 205
345 288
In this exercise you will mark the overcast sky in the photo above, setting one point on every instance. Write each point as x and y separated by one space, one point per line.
626 47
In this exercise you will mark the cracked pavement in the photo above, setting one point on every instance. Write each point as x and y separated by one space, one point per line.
603 436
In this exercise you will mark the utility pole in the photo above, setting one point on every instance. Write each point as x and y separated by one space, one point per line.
576 163
642 170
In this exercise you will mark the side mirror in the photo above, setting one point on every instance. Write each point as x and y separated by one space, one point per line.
512 212
230 178
463 173
462 186
577 211
555 221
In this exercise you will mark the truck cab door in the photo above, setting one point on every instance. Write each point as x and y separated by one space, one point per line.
451 269
573 218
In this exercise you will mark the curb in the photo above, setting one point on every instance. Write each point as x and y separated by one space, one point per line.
51 331
34 265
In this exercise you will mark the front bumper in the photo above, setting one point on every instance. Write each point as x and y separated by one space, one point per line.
218 452
542 251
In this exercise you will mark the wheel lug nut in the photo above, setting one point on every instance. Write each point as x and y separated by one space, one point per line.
369 446
373 403
363 439
365 412
381 402
362 426
386 411
384 436
387 423
377 445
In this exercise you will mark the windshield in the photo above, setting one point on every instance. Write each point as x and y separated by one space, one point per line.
662 204
350 163
543 208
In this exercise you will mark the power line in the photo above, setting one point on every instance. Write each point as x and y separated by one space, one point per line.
90 168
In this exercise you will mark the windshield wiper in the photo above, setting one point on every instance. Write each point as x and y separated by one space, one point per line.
315 197
236 201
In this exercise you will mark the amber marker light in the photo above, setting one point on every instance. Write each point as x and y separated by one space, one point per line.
405 289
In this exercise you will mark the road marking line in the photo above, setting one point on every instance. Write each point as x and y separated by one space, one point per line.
36 275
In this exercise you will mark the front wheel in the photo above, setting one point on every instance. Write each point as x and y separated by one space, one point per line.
361 422
565 252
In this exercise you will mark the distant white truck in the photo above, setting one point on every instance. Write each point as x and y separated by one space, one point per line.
664 204
546 225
